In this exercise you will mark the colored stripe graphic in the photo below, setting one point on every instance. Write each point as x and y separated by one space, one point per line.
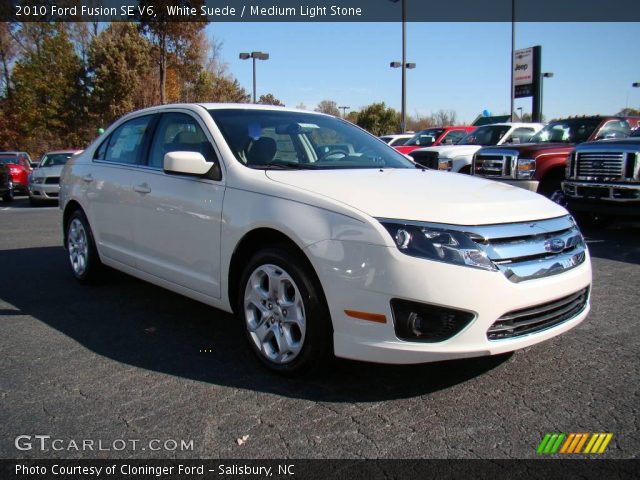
572 443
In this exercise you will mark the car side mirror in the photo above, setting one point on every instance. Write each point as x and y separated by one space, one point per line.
186 163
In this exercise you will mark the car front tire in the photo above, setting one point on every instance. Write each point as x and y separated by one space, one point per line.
283 312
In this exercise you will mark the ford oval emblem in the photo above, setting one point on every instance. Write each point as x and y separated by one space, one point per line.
554 245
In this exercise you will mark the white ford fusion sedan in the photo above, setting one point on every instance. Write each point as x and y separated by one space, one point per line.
320 238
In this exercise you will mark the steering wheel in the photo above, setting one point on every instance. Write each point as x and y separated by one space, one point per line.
331 153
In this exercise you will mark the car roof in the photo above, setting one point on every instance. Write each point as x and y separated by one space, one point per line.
12 153
71 150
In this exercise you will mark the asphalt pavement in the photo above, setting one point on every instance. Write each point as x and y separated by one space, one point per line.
126 362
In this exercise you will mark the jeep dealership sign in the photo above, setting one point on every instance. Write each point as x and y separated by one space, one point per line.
525 71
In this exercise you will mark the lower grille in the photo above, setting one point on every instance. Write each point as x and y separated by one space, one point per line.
540 317
52 180
426 159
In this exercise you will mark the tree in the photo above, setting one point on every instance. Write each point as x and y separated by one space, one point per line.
120 61
177 42
628 112
301 106
46 92
378 119
444 118
329 107
269 99
8 49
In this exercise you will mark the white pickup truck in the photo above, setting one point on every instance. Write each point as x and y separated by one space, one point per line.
457 158
321 238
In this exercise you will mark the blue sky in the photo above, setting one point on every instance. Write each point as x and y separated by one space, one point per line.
460 66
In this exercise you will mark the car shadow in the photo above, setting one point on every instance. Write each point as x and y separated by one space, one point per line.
619 242
136 323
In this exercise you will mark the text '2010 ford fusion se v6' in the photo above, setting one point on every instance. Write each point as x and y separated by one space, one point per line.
321 238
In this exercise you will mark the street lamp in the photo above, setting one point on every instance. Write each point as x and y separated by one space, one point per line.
543 75
254 56
404 65
344 109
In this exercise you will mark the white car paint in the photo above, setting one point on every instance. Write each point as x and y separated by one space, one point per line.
182 232
461 156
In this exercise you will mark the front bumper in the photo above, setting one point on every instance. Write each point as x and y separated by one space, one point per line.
620 199
363 277
43 191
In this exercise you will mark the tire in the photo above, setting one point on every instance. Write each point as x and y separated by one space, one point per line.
551 187
8 197
83 256
284 313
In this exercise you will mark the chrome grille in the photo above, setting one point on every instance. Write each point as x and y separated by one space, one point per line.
494 164
600 164
534 319
525 251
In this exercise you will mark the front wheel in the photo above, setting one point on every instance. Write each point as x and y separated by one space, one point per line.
284 313
8 197
81 248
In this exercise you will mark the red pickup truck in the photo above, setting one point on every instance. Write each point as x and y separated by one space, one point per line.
432 137
539 166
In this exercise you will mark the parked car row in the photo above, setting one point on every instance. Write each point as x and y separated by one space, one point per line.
601 172
40 181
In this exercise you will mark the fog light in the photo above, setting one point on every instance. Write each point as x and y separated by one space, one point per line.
421 322
403 238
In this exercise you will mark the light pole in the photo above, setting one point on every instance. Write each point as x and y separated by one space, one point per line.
404 65
254 56
344 109
513 52
543 75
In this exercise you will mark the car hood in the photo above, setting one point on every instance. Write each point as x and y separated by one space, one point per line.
423 195
53 171
451 151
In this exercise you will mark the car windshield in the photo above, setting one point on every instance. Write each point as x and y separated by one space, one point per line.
488 135
7 159
567 131
424 138
52 159
268 139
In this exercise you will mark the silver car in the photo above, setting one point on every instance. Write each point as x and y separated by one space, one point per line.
44 182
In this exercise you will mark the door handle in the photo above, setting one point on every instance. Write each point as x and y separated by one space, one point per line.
143 189
88 178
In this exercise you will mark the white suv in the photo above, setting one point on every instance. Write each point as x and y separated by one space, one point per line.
321 238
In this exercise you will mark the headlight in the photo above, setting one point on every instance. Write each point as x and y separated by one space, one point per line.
444 164
568 168
526 168
438 244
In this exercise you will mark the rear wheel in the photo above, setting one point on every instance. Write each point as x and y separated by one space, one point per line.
283 312
81 249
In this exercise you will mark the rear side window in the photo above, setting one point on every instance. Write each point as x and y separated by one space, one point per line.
126 143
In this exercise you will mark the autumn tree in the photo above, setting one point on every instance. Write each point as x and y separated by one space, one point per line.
269 99
8 50
46 82
174 42
329 107
120 61
378 119
444 118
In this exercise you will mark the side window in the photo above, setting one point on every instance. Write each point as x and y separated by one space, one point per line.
179 132
520 135
126 142
614 129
